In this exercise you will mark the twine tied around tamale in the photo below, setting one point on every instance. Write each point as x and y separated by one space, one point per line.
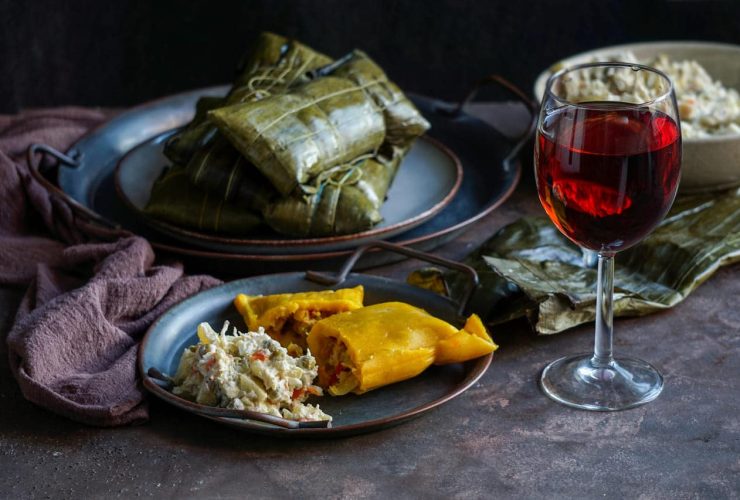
263 80
260 86
345 174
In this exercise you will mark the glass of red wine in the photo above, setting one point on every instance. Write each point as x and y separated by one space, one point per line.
607 165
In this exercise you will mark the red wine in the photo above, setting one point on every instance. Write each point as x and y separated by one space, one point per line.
607 174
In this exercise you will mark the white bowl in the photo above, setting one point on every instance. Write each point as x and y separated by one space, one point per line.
708 163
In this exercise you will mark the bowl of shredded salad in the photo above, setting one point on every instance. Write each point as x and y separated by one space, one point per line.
706 79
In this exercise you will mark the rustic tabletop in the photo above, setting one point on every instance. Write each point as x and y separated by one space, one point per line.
502 438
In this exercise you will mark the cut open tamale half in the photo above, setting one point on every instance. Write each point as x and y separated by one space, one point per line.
373 346
288 317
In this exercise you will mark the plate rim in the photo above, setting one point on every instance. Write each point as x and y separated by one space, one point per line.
245 257
402 226
475 369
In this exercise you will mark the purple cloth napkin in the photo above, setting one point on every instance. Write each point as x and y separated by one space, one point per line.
88 302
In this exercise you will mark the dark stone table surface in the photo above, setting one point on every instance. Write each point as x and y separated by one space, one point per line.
500 439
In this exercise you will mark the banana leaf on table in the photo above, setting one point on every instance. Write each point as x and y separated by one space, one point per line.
528 269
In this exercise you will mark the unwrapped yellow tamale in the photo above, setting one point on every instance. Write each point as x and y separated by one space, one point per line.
288 317
367 348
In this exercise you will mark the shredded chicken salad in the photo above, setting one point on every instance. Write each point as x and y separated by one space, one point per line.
248 371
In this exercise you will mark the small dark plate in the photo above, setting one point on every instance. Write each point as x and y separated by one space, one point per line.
175 330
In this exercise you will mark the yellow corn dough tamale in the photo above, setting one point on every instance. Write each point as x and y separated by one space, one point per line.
367 348
288 317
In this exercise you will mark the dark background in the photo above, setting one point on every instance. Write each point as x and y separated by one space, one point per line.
121 52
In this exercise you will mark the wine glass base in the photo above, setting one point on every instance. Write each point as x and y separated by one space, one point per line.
623 383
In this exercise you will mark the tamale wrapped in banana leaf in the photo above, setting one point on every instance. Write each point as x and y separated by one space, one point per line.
230 176
295 136
275 64
175 200
183 144
346 199
308 144
403 122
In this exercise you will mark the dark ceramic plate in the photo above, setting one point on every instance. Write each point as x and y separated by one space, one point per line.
489 160
384 407
427 182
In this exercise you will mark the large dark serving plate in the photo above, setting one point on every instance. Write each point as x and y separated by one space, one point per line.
489 161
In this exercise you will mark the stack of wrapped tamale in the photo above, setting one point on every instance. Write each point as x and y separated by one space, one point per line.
301 143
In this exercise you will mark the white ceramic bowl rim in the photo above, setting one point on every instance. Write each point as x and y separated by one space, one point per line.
541 83
568 69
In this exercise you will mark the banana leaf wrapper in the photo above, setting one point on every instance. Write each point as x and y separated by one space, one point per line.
275 63
528 269
183 144
228 175
175 200
347 201
293 137
403 121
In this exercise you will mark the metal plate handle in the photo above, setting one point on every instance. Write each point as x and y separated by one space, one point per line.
532 107
494 79
338 278
62 159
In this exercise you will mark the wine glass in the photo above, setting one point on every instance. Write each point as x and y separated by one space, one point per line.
607 164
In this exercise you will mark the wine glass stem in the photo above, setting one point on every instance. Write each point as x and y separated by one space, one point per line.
604 312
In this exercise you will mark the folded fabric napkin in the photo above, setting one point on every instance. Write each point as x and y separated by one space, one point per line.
75 338
530 269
